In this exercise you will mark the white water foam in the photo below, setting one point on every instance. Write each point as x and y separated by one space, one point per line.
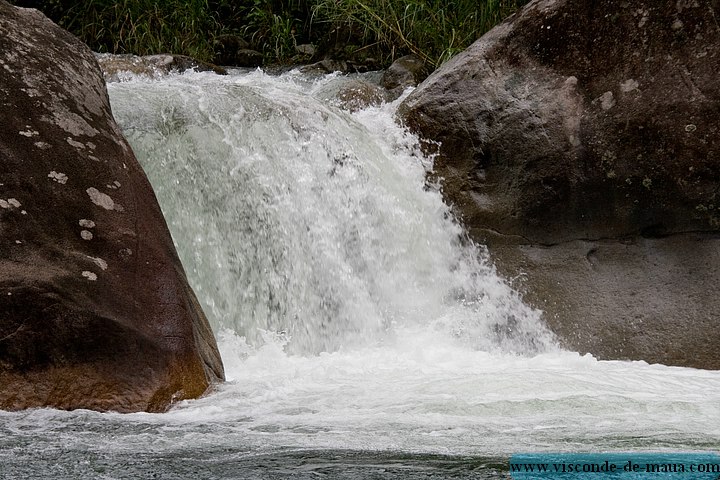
297 218
351 310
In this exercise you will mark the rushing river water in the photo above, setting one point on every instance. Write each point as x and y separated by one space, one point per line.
363 335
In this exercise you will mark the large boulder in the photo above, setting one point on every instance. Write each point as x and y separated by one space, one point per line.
95 309
580 140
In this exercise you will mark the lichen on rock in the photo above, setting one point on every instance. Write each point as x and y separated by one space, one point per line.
95 308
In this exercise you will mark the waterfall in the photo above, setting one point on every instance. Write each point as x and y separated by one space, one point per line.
301 221
363 334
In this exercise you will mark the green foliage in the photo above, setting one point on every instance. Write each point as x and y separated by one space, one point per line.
272 27
432 29
144 26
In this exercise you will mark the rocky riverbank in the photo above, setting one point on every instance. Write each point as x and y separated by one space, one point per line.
579 141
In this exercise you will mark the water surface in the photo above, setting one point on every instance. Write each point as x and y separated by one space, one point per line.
363 334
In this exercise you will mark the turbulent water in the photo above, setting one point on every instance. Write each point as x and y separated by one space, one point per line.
363 335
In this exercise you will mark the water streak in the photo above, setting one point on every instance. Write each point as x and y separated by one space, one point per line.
297 219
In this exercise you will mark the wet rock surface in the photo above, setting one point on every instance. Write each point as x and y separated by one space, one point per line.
407 71
117 67
581 130
95 309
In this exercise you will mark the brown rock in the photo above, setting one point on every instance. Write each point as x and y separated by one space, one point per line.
355 94
404 72
328 66
115 67
95 309
582 124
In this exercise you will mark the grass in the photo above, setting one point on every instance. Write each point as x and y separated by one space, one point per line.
434 30
431 29
144 26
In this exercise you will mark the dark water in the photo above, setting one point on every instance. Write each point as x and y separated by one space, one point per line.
228 463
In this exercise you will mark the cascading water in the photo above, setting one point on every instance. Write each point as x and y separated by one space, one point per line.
360 330
294 218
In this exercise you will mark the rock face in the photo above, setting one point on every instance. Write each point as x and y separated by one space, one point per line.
116 67
95 309
352 94
328 66
404 72
581 142
234 50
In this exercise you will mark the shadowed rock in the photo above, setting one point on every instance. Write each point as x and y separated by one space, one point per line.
404 72
581 142
95 309
234 50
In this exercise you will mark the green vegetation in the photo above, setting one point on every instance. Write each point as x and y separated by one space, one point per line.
351 29
144 26
434 30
